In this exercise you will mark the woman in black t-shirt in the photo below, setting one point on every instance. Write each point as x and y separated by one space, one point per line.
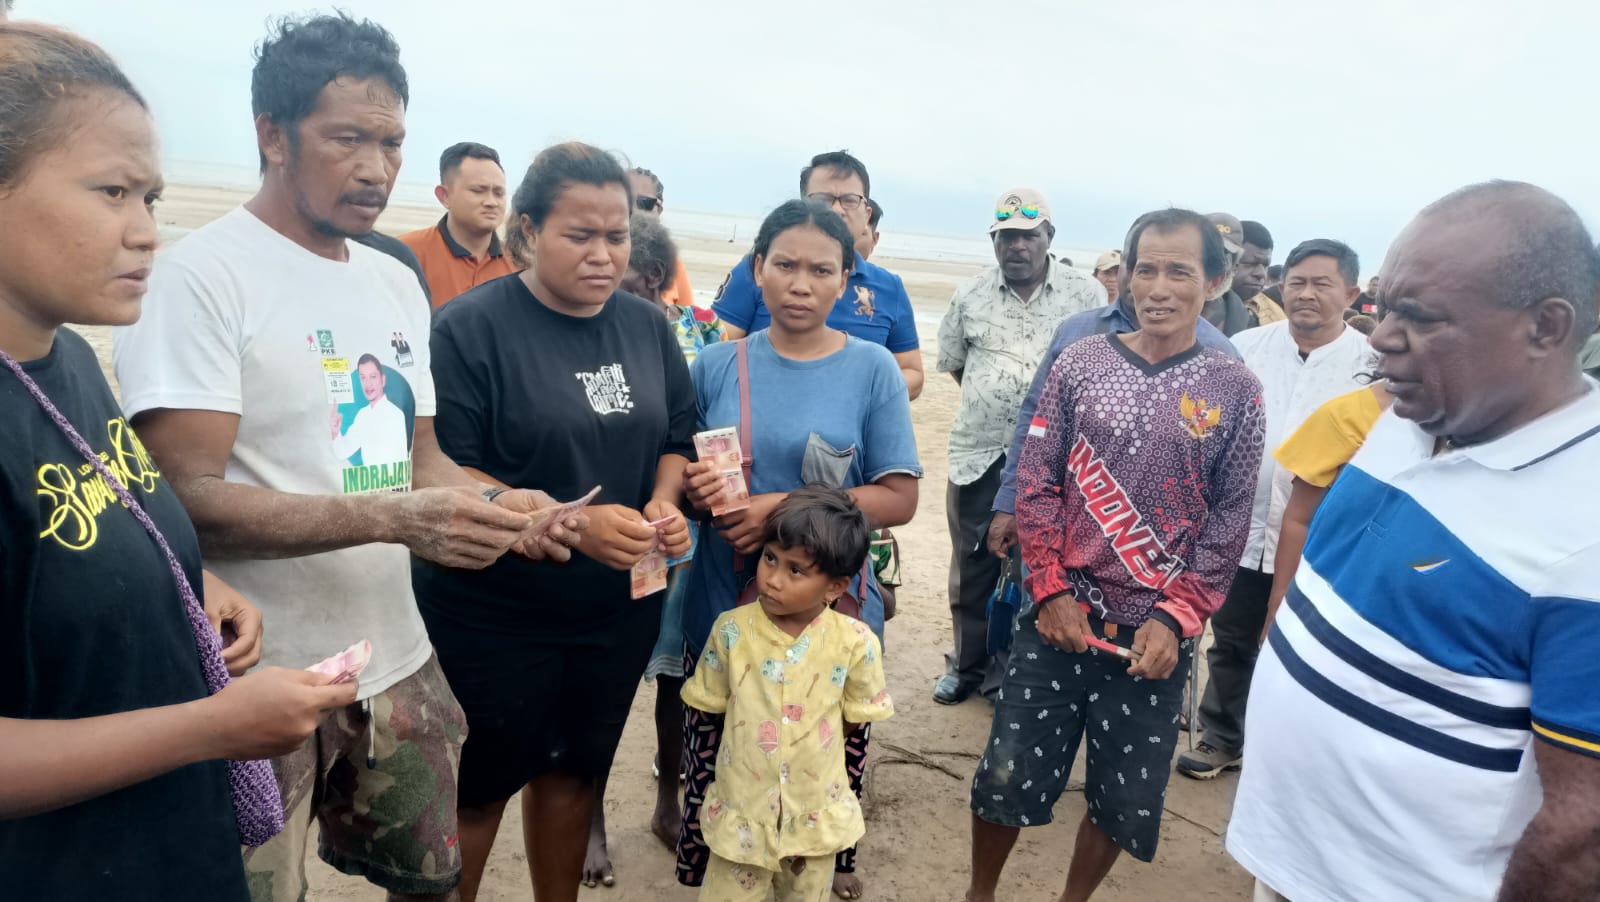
554 379
116 710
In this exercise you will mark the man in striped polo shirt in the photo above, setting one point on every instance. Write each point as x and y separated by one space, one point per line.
1423 722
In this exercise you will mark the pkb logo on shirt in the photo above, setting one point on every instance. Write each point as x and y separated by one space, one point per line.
607 389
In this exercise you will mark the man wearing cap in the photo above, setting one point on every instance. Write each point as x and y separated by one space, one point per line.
1107 270
993 336
1225 309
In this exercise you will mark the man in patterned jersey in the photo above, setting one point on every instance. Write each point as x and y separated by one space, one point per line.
1134 492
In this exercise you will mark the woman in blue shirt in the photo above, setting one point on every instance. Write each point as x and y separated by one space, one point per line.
824 407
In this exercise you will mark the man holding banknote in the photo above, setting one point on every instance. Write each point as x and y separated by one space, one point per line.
269 330
1134 490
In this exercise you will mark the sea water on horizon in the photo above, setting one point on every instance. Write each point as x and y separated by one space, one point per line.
734 228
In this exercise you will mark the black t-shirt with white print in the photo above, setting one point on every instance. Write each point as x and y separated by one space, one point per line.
91 623
539 399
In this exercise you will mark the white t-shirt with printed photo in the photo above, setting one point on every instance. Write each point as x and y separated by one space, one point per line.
242 320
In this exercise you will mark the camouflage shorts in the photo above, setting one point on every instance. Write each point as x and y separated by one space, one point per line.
394 822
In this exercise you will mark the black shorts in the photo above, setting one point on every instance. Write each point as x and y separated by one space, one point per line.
541 702
1049 700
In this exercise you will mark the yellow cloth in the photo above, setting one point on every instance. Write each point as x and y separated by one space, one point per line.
1266 310
729 881
1330 437
781 789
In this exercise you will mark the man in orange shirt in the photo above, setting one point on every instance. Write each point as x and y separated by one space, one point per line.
463 250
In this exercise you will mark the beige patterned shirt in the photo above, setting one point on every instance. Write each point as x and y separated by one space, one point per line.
997 340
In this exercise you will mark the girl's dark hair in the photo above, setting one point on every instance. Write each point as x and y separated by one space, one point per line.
556 167
41 68
652 249
826 522
795 213
302 56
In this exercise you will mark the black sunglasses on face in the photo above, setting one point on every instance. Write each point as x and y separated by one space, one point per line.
647 203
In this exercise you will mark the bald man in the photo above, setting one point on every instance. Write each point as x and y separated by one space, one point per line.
1423 723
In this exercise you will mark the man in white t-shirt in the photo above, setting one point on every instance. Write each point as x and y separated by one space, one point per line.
379 432
247 342
1423 723
1302 362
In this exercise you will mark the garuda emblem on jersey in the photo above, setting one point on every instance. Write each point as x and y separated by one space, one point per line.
1199 418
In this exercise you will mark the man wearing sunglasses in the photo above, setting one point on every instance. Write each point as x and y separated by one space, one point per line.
994 334
649 198
875 306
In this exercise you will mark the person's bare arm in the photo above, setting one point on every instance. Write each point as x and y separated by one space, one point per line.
431 467
891 501
911 368
731 332
450 526
1303 501
1558 857
46 765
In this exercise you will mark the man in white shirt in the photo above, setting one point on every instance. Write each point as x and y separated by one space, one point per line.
1424 724
993 336
229 378
1302 362
379 432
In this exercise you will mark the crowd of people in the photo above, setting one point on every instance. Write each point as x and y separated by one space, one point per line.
1371 497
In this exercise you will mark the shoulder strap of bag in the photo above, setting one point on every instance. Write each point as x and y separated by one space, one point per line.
742 349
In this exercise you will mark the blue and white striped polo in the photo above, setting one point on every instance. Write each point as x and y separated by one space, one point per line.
1444 617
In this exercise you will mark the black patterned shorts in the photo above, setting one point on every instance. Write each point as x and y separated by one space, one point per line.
1048 701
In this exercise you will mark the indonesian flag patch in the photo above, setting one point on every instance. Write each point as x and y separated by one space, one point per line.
1037 427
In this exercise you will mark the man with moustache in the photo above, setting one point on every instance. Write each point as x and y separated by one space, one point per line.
257 324
994 334
1424 717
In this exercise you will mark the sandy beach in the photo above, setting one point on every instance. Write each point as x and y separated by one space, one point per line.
916 848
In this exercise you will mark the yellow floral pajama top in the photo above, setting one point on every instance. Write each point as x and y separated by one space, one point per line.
781 790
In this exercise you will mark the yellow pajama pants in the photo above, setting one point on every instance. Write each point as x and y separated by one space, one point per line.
729 881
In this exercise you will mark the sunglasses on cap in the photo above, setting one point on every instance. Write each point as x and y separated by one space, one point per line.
1026 211
647 203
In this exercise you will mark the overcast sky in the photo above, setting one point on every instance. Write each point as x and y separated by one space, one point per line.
1334 119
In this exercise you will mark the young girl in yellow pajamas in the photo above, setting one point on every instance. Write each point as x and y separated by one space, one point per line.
790 676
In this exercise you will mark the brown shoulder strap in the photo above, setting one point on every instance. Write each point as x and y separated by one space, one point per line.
742 348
